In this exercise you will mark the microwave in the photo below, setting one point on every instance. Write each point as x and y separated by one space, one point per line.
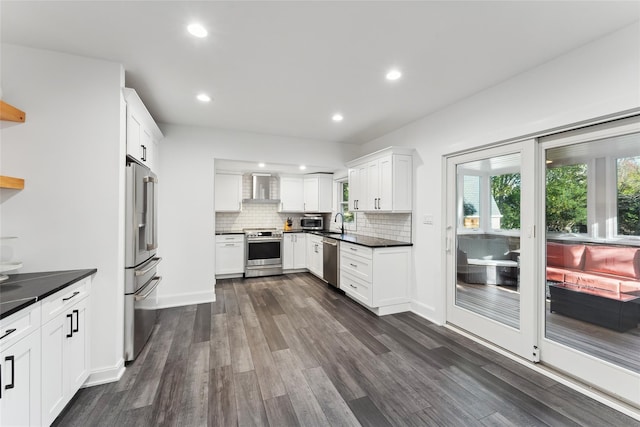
312 222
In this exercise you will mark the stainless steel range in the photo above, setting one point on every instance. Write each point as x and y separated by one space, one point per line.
263 252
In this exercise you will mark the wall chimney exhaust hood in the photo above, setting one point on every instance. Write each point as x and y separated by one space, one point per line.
263 189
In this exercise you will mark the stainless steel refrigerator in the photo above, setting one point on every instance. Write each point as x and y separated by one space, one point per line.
141 244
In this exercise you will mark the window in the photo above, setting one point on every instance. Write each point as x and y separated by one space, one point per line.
566 198
628 196
343 202
471 202
505 202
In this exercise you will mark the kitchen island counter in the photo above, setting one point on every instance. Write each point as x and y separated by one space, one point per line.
22 290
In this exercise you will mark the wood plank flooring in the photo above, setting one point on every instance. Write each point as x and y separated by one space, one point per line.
502 303
289 351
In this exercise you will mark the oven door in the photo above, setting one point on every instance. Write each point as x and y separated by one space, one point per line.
264 252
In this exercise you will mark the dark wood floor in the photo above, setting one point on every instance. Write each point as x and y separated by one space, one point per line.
502 303
288 351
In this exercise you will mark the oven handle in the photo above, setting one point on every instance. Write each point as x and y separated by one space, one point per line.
151 266
263 240
139 297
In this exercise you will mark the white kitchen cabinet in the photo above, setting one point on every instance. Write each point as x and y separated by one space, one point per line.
291 194
65 347
318 193
314 255
294 251
143 133
20 368
358 188
230 254
228 192
376 277
383 181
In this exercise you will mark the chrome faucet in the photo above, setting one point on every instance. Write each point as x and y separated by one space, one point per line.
336 220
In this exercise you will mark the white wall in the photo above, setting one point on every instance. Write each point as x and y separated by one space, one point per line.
70 153
596 80
186 210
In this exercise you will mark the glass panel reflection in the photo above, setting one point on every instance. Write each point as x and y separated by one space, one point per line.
488 238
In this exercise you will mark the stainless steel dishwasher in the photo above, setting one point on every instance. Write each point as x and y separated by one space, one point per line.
331 261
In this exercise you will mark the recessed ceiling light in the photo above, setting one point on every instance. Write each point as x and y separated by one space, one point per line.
394 74
261 165
203 97
337 117
302 167
197 30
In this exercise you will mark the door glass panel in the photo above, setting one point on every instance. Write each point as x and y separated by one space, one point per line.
488 238
592 286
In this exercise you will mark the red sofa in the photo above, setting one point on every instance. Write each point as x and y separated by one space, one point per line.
610 269
595 283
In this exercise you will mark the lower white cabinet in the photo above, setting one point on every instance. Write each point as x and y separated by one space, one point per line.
20 354
378 278
65 347
314 255
230 254
294 251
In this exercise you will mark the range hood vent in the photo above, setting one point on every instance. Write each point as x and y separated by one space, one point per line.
263 189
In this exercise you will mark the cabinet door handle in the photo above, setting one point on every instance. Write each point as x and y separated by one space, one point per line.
70 317
77 328
68 298
8 332
13 372
144 153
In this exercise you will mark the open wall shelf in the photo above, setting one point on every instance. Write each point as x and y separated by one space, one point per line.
10 113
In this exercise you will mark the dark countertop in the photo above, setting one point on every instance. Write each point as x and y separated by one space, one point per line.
22 290
358 239
218 233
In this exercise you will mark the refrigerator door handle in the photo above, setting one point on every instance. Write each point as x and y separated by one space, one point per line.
157 280
152 227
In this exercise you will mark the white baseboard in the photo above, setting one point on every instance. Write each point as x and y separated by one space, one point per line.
425 311
105 375
178 300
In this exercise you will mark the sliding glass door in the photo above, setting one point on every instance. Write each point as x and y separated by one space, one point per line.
590 259
490 246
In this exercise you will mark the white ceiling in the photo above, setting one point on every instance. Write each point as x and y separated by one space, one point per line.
284 68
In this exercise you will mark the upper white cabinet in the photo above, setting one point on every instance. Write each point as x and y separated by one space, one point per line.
382 181
143 133
307 193
228 192
318 193
292 194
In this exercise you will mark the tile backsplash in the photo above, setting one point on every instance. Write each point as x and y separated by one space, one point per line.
266 215
396 226
255 215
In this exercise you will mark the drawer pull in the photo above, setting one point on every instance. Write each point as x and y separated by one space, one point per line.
70 317
8 332
68 298
13 372
354 287
353 265
354 249
229 244
77 328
